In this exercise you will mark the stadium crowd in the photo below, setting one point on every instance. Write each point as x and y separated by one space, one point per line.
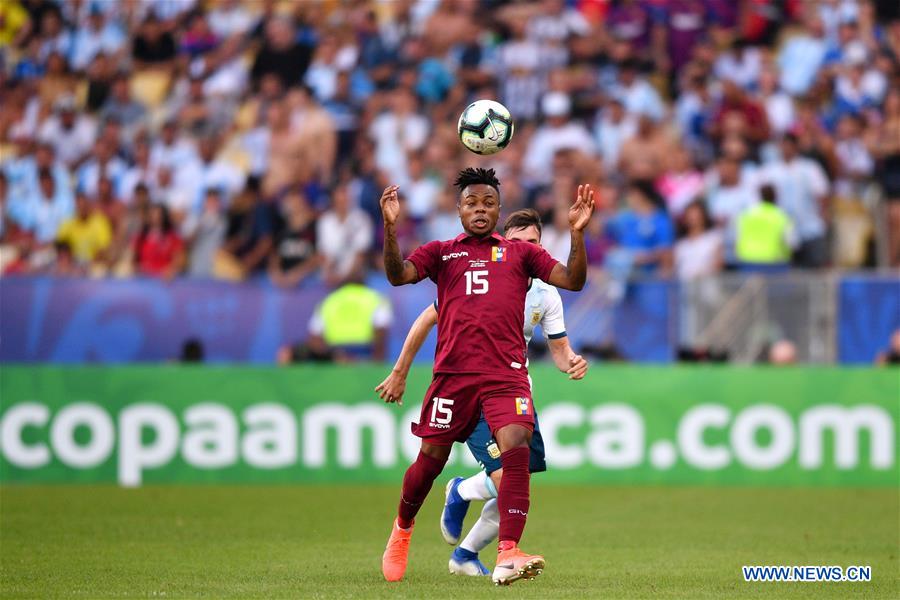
237 139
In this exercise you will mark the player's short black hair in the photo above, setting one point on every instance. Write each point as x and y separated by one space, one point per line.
472 176
520 219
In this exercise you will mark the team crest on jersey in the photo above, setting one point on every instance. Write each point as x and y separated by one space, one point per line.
498 254
493 450
535 317
523 406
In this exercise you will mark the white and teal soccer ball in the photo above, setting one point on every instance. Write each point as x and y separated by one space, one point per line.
485 127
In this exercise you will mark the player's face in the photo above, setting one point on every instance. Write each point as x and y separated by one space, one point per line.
479 209
525 234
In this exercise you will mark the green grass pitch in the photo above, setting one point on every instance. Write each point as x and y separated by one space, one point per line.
326 542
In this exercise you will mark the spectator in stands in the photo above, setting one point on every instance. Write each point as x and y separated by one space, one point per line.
97 36
102 163
891 356
398 132
782 353
287 152
642 235
230 18
612 127
88 233
119 255
887 150
281 53
353 322
739 114
207 171
699 251
107 202
153 46
250 232
71 134
422 190
57 81
205 234
443 223
4 203
15 24
141 171
681 183
639 97
43 210
765 234
193 111
802 189
728 195
158 249
294 256
556 133
778 104
802 56
192 351
522 78
23 173
171 149
741 64
63 263
314 129
344 235
198 38
645 154
122 107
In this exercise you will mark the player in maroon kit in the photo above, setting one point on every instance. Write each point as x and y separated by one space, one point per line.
479 364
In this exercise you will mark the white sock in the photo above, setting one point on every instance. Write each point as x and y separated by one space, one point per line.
485 528
477 487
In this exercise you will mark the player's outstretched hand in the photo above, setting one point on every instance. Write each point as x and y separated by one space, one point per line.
390 204
578 367
392 388
581 210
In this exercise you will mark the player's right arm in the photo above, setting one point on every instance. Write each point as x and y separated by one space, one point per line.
398 271
394 385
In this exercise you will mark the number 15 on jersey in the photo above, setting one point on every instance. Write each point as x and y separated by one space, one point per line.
476 282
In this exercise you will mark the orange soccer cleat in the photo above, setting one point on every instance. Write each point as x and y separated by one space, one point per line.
396 554
513 564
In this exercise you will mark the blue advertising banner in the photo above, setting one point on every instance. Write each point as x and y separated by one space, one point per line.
144 320
868 312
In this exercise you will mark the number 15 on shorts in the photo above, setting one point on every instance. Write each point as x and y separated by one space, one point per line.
441 413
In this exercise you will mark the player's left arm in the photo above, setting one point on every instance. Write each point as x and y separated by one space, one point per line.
573 275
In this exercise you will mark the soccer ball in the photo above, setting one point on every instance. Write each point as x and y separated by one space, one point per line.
485 127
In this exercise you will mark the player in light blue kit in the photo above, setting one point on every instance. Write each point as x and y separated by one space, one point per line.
543 307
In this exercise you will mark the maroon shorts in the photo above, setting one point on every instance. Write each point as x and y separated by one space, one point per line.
454 403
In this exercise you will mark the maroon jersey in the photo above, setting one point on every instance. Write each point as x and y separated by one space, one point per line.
481 298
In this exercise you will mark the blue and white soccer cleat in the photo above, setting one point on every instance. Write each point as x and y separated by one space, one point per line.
465 562
454 512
